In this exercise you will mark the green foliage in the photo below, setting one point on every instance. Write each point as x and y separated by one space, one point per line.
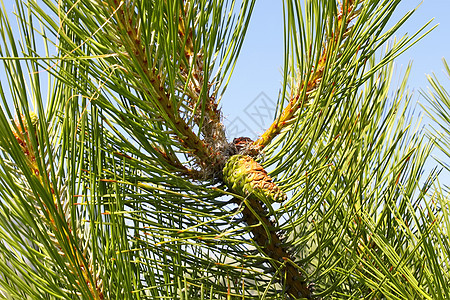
439 99
116 191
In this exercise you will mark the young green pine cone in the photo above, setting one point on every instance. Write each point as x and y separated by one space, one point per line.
245 176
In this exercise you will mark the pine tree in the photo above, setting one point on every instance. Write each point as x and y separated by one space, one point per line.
118 180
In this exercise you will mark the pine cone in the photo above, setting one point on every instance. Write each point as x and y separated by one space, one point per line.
245 176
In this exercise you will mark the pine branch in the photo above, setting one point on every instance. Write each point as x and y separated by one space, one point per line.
55 215
271 244
145 149
207 158
247 178
304 89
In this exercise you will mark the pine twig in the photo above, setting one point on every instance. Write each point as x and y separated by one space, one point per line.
305 89
76 258
272 246
209 158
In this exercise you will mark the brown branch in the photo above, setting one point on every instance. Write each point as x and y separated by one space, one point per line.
194 68
272 246
208 157
208 117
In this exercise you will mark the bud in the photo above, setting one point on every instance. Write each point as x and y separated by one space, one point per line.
34 121
245 176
